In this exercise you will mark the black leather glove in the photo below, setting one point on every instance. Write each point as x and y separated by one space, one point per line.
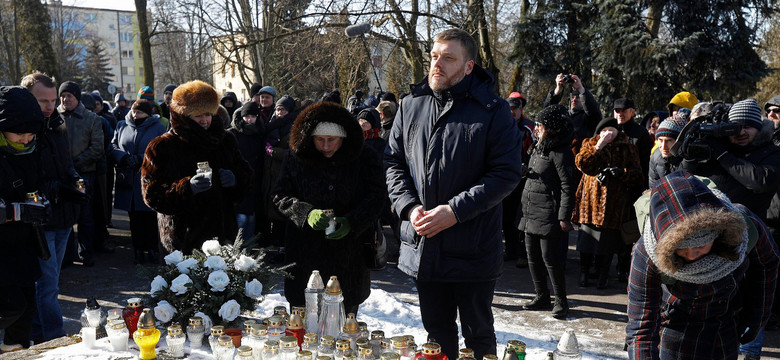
227 178
33 213
717 146
614 171
200 183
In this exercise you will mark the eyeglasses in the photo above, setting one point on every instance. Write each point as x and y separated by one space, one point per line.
773 110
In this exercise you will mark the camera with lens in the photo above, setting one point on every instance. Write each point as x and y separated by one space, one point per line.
568 79
714 123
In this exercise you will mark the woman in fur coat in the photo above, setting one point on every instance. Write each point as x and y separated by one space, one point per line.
548 195
329 168
610 172
193 208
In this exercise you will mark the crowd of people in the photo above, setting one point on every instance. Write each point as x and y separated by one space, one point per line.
686 198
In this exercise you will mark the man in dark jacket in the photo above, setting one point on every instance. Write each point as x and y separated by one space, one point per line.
60 187
230 102
120 107
451 159
772 108
165 106
583 107
623 110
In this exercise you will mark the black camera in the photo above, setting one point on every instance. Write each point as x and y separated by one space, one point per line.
568 79
714 123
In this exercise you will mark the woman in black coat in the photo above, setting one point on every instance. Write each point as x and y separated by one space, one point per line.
250 135
329 168
21 237
548 200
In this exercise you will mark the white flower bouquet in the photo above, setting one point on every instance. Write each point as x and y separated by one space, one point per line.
218 282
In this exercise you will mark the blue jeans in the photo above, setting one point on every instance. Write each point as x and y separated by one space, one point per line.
47 324
246 222
754 347
86 222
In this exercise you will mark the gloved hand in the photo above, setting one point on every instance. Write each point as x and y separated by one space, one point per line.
32 213
342 230
717 146
227 178
200 183
614 171
746 333
129 160
318 220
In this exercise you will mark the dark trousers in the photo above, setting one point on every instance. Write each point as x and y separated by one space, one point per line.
441 303
17 308
86 223
544 255
143 230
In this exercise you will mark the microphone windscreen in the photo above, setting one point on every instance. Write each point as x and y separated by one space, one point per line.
357 29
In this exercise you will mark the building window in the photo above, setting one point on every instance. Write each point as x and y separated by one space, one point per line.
90 17
126 37
125 19
112 45
129 89
127 70
140 71
127 53
111 27
89 34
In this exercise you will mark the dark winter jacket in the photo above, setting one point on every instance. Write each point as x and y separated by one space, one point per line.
458 148
170 161
120 112
661 166
698 319
108 116
85 137
548 194
638 136
608 204
278 137
251 144
773 214
59 182
350 182
584 119
748 175
131 139
236 104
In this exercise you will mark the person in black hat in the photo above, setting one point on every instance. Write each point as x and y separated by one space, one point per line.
624 110
583 108
165 106
21 236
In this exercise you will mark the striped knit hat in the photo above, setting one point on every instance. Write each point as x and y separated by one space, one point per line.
746 112
672 126
146 93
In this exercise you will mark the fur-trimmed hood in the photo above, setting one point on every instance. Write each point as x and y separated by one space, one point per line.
302 142
680 206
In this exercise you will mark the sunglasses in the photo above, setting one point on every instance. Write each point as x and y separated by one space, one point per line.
773 110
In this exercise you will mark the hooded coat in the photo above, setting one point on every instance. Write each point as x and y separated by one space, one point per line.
351 183
461 148
749 174
606 205
236 104
681 309
132 139
185 219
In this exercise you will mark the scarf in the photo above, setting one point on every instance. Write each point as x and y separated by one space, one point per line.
708 269
15 148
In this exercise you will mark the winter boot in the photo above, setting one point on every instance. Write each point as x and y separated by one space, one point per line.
586 260
540 302
561 308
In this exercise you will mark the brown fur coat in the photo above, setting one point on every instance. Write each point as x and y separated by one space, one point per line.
609 204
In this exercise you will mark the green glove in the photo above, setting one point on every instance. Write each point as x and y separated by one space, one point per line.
318 220
342 230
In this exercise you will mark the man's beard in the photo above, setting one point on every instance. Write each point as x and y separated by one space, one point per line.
443 82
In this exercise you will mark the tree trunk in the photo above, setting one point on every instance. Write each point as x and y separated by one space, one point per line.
476 24
654 13
146 44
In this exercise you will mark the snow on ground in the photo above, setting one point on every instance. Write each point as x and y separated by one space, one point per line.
383 311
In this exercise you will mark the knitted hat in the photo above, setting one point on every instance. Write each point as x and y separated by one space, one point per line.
672 126
774 101
684 100
623 103
195 98
251 108
119 97
553 117
606 122
146 93
267 90
169 87
143 105
19 111
329 129
97 97
70 87
746 112
254 90
88 101
287 102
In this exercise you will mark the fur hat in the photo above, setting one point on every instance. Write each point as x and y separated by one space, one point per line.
146 93
19 111
72 88
195 98
746 112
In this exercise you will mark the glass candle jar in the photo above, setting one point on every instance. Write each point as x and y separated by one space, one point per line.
175 340
304 355
245 331
195 332
327 346
225 349
131 313
310 344
271 350
146 336
216 332
244 353
117 335
342 345
288 348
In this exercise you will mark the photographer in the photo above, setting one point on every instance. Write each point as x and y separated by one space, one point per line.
583 107
21 120
746 165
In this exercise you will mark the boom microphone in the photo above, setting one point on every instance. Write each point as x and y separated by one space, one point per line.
357 29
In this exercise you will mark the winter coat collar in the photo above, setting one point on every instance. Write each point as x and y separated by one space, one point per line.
78 112
478 86
302 142
150 120
189 131
54 121
681 205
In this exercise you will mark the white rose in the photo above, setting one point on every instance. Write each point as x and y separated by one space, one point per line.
179 284
174 258
158 284
218 280
253 289
244 263
164 311
185 266
229 310
206 320
215 263
211 247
